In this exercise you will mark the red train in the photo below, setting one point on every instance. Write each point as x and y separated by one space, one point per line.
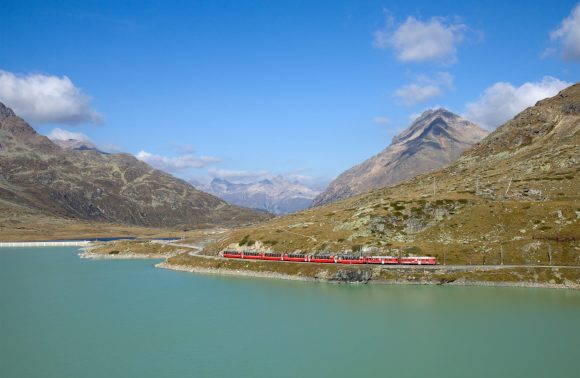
330 259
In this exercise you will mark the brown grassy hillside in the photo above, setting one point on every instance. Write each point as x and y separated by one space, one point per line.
515 196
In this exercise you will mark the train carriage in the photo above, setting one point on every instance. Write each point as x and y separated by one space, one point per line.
322 259
418 260
252 255
383 260
295 257
272 256
232 254
347 259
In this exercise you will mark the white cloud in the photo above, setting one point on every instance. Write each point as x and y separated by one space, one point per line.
414 94
178 163
424 89
501 101
60 134
46 99
421 41
568 35
111 148
381 120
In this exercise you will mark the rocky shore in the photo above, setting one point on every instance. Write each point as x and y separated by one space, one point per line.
230 272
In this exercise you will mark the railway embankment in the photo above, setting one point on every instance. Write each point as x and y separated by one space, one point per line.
516 276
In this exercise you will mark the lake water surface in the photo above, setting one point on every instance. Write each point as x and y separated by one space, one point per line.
62 316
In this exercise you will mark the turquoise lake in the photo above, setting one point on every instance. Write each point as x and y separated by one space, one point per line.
62 316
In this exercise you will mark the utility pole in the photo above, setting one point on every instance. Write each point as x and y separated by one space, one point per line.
550 253
501 253
477 186
444 253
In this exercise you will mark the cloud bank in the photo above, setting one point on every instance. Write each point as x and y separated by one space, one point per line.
44 99
421 41
60 134
567 35
502 101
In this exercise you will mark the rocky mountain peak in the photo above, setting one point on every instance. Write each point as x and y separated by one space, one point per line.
433 120
14 131
436 138
5 112
76 145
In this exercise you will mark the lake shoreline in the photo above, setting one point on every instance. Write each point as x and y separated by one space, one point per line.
130 250
175 259
124 256
230 272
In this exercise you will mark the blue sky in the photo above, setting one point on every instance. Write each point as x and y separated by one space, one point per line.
244 90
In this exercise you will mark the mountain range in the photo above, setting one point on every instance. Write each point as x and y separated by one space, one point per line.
277 195
435 139
77 181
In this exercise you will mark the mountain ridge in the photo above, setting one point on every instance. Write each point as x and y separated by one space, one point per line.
86 184
276 195
435 139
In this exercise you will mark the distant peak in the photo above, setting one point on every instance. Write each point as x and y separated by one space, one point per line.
425 114
75 144
430 120
437 112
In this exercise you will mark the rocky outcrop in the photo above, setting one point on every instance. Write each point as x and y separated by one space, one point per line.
352 276
434 140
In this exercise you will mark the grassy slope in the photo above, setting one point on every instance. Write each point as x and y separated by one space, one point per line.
519 190
23 224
